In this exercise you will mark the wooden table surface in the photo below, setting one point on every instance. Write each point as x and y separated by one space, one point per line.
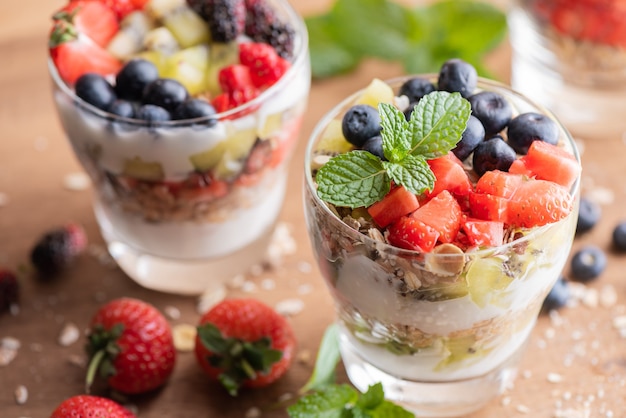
575 365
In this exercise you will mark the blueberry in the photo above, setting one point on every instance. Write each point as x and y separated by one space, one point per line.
360 123
458 75
619 236
492 109
195 108
493 154
153 113
473 135
409 110
133 78
588 263
166 93
374 145
95 90
416 88
529 127
558 296
588 215
122 108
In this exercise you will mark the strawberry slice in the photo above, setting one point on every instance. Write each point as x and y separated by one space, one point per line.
537 203
488 207
483 233
90 18
266 66
412 234
398 202
442 213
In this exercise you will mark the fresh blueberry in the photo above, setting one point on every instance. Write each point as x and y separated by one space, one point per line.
374 145
195 108
360 123
588 215
473 135
122 108
416 88
493 154
619 236
588 263
492 109
529 127
95 90
458 75
166 93
558 296
133 78
153 113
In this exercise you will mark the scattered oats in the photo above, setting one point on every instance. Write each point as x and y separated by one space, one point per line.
253 412
285 397
608 296
305 289
555 318
304 357
527 374
9 347
567 396
619 322
10 343
69 335
600 393
541 344
522 409
210 298
289 307
568 360
591 298
40 143
172 312
595 345
236 282
594 361
268 284
4 199
550 333
304 267
184 337
577 335
319 161
554 378
76 182
249 287
505 401
601 195
282 244
402 102
256 270
21 395
77 360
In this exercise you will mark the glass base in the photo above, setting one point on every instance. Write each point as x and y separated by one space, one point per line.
431 399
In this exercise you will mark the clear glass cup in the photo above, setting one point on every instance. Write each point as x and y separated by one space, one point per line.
570 56
442 331
183 205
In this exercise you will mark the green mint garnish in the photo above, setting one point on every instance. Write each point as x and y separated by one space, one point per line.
421 37
358 178
328 357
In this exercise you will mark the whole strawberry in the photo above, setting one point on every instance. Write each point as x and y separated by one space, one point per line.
244 343
57 248
9 289
130 345
87 406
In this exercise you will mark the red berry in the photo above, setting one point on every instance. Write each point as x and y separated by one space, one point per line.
442 213
449 175
86 406
412 234
130 342
397 203
234 77
537 203
243 342
266 66
57 249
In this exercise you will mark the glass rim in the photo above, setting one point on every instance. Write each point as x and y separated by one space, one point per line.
483 84
300 59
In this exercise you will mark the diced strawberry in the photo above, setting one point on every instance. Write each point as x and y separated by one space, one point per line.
442 213
221 102
234 77
488 207
90 18
550 162
205 193
449 175
483 233
122 8
398 202
242 95
266 66
286 141
519 167
499 183
412 234
538 202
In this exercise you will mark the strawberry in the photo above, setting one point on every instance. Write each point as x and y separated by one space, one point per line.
483 233
488 207
84 406
77 40
442 213
549 162
130 344
266 66
244 343
412 234
122 8
499 183
9 289
234 77
538 202
398 202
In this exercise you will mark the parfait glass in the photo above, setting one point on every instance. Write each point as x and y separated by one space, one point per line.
442 331
185 205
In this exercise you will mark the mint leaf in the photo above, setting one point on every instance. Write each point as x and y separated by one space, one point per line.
331 402
395 133
354 179
372 398
328 56
328 357
413 173
437 123
389 409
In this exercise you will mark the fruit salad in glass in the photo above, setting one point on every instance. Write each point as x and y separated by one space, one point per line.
185 115
441 210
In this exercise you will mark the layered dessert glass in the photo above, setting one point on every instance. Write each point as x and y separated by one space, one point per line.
570 56
185 204
443 329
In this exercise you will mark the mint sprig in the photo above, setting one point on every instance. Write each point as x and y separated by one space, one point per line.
358 178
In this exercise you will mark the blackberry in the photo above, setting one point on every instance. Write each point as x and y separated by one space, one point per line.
262 25
259 15
57 248
9 290
226 18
